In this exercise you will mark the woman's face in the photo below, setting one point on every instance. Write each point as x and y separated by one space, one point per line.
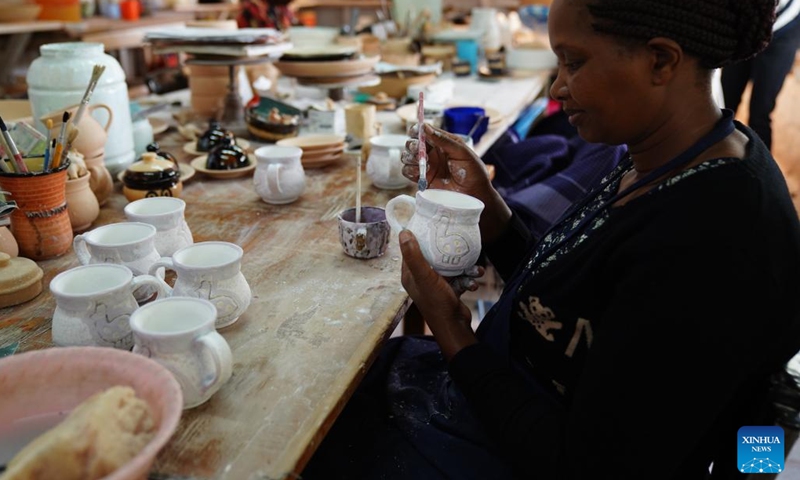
604 87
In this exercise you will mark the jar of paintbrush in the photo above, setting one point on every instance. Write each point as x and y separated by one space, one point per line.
40 223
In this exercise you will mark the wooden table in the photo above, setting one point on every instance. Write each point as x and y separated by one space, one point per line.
314 325
317 318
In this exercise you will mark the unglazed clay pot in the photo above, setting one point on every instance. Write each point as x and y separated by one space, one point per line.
82 205
8 244
41 222
92 136
100 180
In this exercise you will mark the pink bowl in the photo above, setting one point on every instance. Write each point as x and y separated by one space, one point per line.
40 387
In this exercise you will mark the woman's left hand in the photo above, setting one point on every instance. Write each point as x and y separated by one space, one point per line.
437 299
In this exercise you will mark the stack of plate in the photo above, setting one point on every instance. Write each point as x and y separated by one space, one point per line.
333 66
318 150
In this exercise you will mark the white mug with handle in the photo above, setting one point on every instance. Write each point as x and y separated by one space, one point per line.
445 224
179 334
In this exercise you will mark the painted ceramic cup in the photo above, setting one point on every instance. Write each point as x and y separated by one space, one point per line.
446 226
126 243
279 176
179 334
212 271
383 164
167 215
94 304
367 238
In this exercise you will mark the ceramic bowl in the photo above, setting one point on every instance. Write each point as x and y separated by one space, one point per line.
395 84
262 129
46 383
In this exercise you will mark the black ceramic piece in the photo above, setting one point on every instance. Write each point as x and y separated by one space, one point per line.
153 147
158 179
227 155
211 137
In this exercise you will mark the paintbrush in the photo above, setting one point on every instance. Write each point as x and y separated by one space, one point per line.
60 141
71 135
97 71
422 155
4 166
48 152
11 149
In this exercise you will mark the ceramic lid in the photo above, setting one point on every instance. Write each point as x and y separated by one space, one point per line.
17 273
151 162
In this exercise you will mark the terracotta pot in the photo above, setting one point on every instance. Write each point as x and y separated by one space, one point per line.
92 136
82 205
8 244
41 223
100 181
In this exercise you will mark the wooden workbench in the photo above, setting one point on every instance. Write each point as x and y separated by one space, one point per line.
315 322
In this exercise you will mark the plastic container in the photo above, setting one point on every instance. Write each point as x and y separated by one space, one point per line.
58 79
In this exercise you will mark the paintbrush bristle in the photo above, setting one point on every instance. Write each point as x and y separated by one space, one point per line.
3 125
65 117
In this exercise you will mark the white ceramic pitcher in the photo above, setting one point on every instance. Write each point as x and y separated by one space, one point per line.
94 304
384 167
445 224
179 334
167 215
279 177
210 270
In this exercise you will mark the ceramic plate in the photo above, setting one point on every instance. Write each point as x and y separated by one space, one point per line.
186 171
159 125
319 161
191 147
319 53
199 164
313 142
342 68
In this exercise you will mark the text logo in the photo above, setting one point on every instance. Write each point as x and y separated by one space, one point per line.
760 450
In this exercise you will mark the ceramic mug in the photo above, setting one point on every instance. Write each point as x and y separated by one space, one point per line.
94 304
446 226
212 271
383 164
126 243
179 334
167 215
367 238
279 177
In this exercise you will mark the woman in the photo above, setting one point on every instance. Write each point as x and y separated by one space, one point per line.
635 338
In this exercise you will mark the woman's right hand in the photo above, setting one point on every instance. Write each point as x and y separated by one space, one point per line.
452 165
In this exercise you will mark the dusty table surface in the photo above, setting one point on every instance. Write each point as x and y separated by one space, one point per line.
315 323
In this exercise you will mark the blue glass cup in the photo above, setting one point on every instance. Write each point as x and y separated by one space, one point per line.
471 121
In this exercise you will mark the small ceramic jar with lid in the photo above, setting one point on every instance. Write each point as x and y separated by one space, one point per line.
227 155
20 280
152 176
211 137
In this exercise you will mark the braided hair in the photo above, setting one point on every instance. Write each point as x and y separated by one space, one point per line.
717 32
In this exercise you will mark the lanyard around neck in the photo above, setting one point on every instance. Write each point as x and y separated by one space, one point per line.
722 129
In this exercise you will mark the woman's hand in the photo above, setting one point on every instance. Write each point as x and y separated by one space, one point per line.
435 298
452 165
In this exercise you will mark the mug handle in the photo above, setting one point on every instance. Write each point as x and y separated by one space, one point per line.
221 354
390 206
79 245
274 177
162 289
107 109
167 264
